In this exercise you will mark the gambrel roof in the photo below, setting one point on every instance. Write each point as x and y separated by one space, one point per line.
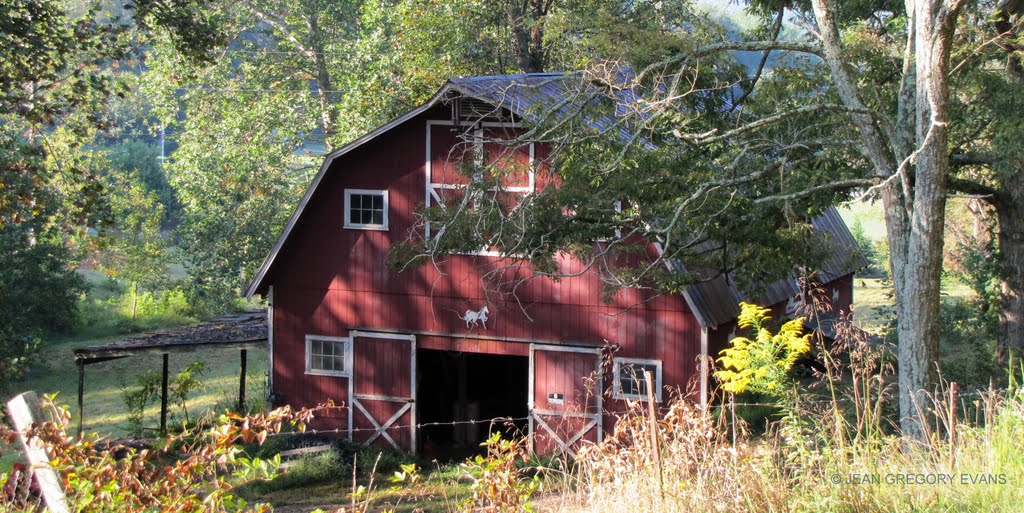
713 302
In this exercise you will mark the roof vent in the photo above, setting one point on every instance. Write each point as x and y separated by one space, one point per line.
473 109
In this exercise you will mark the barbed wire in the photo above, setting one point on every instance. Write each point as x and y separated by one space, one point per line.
311 432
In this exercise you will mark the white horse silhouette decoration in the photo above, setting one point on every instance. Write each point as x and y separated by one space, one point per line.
479 316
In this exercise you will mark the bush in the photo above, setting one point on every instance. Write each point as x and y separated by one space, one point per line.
968 343
194 472
38 294
334 465
152 310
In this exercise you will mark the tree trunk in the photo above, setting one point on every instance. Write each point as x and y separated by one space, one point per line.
1010 201
914 203
919 281
527 22
1011 259
325 88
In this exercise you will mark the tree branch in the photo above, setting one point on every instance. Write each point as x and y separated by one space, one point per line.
283 27
971 187
971 159
738 46
776 29
709 137
832 186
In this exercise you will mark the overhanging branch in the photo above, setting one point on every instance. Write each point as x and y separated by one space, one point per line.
831 186
709 138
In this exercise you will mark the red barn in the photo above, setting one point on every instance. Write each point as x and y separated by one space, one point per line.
428 357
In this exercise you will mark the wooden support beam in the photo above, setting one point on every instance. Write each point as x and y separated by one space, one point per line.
241 383
81 395
163 398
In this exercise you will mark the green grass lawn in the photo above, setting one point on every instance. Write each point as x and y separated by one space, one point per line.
870 215
873 300
105 411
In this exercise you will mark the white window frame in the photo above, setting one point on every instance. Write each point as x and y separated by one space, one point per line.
347 351
617 366
348 211
432 197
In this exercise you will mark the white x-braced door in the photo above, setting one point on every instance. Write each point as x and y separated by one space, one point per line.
382 391
566 403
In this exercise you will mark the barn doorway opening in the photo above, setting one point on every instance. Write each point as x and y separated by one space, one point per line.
454 388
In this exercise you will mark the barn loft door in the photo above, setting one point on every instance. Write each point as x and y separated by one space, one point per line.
383 390
506 169
565 398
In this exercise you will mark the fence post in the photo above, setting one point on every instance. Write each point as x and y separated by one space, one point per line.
24 411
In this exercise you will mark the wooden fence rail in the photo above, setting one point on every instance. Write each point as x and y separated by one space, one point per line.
24 411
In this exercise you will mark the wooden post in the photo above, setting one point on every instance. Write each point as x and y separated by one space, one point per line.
241 383
163 399
24 411
952 424
81 395
655 442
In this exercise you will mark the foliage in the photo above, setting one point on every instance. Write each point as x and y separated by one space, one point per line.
969 343
141 160
185 383
60 71
762 364
877 266
499 483
136 251
241 156
190 472
146 390
38 294
852 464
152 310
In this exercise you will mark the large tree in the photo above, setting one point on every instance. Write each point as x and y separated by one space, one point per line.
57 78
987 158
724 165
300 78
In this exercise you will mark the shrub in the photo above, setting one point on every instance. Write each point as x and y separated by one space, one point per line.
190 473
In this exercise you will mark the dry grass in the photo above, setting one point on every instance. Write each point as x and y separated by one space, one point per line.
700 470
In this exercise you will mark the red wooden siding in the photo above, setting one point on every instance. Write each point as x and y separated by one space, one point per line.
329 280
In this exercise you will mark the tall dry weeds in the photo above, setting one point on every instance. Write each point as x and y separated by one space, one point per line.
838 449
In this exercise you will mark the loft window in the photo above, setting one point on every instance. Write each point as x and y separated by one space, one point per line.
631 381
366 209
328 356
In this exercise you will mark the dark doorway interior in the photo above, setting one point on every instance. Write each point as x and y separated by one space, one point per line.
454 387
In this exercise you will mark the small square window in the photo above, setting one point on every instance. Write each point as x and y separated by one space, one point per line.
631 381
328 356
366 209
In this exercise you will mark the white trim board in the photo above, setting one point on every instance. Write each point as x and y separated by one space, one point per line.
658 384
347 209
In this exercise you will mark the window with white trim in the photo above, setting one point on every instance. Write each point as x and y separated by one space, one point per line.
328 356
366 209
630 380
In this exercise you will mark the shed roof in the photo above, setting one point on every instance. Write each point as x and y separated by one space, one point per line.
714 301
717 299
241 331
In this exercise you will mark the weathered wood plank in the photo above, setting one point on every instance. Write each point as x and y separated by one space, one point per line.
292 457
24 411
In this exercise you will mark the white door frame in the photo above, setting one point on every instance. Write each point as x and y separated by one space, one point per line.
381 429
596 420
